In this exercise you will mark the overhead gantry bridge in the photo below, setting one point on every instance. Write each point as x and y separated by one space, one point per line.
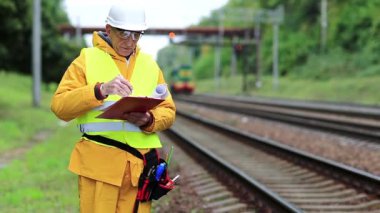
204 31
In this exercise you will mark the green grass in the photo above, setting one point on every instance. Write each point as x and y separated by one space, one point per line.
19 119
362 90
40 181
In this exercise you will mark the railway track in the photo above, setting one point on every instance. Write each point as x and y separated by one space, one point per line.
213 194
356 121
266 176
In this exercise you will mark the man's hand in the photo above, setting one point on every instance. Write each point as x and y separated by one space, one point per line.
139 118
117 86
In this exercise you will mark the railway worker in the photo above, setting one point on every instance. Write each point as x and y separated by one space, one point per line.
113 68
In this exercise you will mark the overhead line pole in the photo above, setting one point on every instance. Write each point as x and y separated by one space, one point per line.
218 51
324 22
36 52
275 56
258 53
78 32
276 20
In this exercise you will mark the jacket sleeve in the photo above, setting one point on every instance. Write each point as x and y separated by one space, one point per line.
163 114
74 96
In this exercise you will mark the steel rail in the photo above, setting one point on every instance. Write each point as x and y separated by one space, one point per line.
347 173
367 129
268 199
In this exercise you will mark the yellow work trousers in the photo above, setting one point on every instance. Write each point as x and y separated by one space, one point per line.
99 197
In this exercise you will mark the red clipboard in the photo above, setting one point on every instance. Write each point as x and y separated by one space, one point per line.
129 104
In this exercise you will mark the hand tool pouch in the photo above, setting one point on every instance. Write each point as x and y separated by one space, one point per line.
163 186
149 188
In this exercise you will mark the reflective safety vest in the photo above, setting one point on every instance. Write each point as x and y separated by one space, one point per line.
100 67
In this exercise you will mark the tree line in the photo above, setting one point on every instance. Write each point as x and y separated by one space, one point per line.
352 40
16 36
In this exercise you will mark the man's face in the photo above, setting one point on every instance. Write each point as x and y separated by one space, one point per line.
123 42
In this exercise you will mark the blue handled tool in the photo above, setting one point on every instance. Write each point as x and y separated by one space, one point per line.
160 170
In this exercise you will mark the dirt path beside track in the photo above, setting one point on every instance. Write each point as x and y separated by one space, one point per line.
7 156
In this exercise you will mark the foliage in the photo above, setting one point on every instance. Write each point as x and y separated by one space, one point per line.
352 38
358 23
16 34
203 67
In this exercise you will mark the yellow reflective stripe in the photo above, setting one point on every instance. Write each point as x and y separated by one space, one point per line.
90 117
108 126
140 141
105 105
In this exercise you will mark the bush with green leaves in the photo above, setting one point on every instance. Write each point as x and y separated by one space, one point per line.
16 46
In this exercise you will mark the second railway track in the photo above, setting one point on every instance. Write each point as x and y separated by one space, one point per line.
355 121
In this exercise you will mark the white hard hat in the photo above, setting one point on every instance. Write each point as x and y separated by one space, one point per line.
127 16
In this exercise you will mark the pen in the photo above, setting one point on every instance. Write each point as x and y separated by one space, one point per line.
170 183
150 171
175 178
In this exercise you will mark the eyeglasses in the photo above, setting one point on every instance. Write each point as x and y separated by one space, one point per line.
125 34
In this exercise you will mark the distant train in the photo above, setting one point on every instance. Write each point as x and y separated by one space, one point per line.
181 80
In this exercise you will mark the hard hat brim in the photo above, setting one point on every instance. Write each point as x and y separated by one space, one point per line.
123 26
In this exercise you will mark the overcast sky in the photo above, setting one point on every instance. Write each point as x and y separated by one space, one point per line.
159 13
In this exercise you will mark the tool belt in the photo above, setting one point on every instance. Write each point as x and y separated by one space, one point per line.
151 184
